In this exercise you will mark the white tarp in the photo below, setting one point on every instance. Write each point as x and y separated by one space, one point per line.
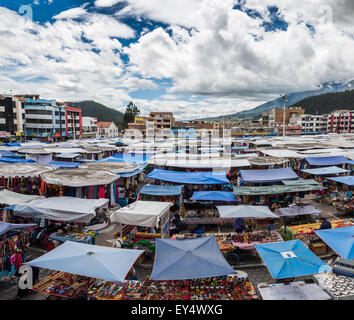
282 153
22 170
204 163
141 213
245 211
10 198
61 209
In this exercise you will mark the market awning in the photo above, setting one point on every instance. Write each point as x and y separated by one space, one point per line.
157 190
326 161
298 211
275 189
347 180
221 163
6 227
245 211
300 182
189 259
15 160
9 154
213 196
341 240
22 169
141 213
270 175
10 198
290 259
63 164
325 170
131 174
68 155
218 177
61 209
132 158
88 260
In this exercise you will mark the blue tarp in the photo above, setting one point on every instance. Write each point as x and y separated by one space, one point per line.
214 196
130 174
341 240
218 177
63 164
326 161
6 227
9 154
290 259
132 158
156 190
270 175
239 148
348 180
189 259
89 260
325 170
15 160
11 144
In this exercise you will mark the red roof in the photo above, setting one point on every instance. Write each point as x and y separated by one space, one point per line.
104 124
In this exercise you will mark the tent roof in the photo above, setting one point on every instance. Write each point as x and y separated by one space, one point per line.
63 164
274 189
79 177
61 208
218 177
189 259
281 153
341 240
298 211
213 196
89 260
290 259
270 175
6 227
348 180
202 163
15 160
9 154
68 155
300 182
325 170
245 211
141 213
326 161
10 198
157 190
131 174
116 167
22 169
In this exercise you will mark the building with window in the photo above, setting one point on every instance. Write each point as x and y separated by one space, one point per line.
311 124
341 121
107 129
12 116
89 127
73 122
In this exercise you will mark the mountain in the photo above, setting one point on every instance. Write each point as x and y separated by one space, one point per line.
92 108
326 103
293 98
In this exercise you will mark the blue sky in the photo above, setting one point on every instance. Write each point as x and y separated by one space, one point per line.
195 58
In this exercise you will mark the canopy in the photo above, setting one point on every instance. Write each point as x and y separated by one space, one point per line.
116 167
298 211
290 259
348 180
131 174
201 163
156 190
281 153
141 213
300 182
325 170
9 154
132 158
61 209
326 161
218 177
274 189
189 259
89 260
6 227
15 160
341 240
22 169
270 175
213 196
10 198
63 164
68 155
245 211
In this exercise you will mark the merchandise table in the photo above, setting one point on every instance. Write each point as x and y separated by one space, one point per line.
293 291
339 287
83 237
235 287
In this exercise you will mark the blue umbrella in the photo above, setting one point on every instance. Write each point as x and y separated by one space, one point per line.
89 260
341 240
290 259
189 259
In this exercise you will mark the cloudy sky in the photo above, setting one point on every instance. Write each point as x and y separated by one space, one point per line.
196 58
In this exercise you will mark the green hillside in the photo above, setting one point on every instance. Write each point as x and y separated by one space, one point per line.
94 109
326 103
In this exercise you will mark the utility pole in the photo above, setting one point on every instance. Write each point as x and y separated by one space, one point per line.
285 99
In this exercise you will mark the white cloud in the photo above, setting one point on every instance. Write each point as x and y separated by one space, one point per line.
71 13
107 3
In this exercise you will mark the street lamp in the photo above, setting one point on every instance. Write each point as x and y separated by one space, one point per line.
285 99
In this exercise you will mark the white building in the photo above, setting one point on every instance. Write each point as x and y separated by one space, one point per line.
310 123
107 129
341 121
89 127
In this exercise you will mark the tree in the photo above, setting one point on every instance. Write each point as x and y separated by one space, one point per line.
131 111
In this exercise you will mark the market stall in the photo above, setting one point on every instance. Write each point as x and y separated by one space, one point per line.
339 287
267 176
